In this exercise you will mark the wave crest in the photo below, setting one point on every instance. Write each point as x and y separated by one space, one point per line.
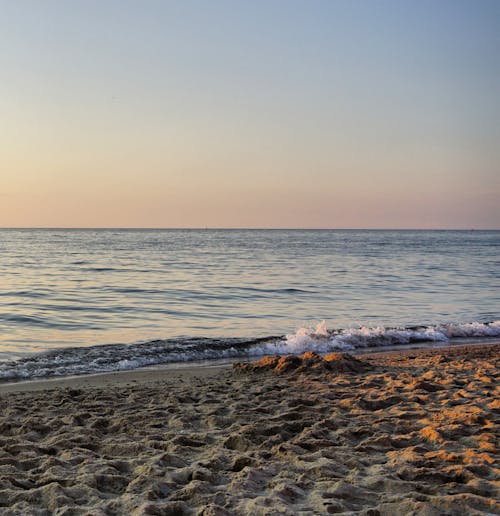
107 358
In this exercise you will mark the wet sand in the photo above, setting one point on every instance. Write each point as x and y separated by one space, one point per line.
407 432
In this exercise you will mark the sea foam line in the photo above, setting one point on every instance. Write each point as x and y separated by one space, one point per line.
322 340
108 358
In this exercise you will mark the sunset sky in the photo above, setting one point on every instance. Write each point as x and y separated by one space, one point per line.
320 114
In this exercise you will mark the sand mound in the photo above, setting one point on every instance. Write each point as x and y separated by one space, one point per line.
308 362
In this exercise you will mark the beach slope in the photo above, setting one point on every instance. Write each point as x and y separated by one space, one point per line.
411 432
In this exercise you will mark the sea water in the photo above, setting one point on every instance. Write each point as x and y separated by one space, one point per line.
90 300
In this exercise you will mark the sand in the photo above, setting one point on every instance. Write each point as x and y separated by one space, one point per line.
399 433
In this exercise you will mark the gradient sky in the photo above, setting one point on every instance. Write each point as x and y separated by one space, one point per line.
327 114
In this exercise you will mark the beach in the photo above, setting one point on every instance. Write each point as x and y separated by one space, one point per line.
249 258
402 432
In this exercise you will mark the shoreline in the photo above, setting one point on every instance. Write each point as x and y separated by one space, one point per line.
189 370
115 378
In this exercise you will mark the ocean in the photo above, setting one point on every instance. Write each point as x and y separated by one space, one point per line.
95 300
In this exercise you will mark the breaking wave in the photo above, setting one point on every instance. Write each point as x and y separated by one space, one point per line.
119 357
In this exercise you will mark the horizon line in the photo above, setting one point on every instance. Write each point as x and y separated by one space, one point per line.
257 228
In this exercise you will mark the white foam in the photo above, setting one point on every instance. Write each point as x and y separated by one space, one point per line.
97 359
474 329
322 340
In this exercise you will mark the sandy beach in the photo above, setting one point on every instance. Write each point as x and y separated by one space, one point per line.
408 432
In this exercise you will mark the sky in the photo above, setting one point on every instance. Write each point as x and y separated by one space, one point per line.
258 113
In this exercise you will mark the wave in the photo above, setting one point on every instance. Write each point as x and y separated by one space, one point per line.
323 341
119 357
271 290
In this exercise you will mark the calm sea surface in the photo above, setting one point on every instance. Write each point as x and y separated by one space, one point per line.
80 288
